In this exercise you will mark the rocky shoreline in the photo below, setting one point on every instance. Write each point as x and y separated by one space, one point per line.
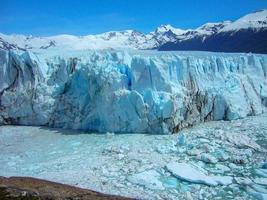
27 188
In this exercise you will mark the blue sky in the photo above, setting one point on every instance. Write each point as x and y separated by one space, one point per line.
81 17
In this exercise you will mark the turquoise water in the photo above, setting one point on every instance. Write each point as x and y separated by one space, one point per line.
104 162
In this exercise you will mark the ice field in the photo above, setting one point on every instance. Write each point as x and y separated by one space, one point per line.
212 160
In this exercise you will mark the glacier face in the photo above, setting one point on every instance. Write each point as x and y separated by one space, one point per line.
129 91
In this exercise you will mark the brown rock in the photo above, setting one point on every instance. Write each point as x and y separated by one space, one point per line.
26 188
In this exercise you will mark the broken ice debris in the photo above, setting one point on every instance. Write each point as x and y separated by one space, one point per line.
261 181
261 172
264 166
189 173
148 179
242 141
207 158
181 139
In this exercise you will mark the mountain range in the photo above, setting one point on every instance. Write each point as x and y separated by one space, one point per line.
247 34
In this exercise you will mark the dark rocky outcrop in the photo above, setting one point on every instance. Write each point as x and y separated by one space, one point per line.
244 40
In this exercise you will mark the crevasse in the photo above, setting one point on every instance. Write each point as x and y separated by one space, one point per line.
129 91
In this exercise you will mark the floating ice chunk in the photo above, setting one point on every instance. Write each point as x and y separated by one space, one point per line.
204 140
194 152
223 168
242 140
256 194
181 139
239 159
125 147
247 152
235 167
261 172
260 196
11 164
207 147
223 180
207 158
259 188
148 179
221 155
110 133
188 173
261 181
264 166
120 156
188 196
76 143
163 149
243 180
171 182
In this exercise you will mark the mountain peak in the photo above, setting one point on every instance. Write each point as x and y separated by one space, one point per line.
260 11
210 28
167 27
253 20
163 28
165 33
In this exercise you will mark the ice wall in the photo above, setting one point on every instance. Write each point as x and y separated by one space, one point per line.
133 91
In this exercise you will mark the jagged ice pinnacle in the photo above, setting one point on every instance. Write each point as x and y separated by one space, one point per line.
129 91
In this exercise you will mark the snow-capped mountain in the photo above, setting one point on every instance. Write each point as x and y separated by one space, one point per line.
202 31
163 34
249 30
118 39
247 34
212 28
256 20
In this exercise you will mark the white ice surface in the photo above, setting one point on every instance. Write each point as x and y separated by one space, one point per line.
148 179
189 173
129 91
134 164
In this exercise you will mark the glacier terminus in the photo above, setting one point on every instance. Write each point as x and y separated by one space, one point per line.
129 91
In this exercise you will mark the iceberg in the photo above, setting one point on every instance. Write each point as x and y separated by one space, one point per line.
191 174
148 179
129 91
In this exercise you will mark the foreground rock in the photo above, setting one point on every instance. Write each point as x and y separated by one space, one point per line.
36 189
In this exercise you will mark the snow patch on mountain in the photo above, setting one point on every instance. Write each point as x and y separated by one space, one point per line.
256 20
167 27
211 28
132 39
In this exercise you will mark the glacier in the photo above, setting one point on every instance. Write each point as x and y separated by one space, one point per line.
129 90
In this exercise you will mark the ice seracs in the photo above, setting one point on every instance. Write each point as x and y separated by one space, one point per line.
130 91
